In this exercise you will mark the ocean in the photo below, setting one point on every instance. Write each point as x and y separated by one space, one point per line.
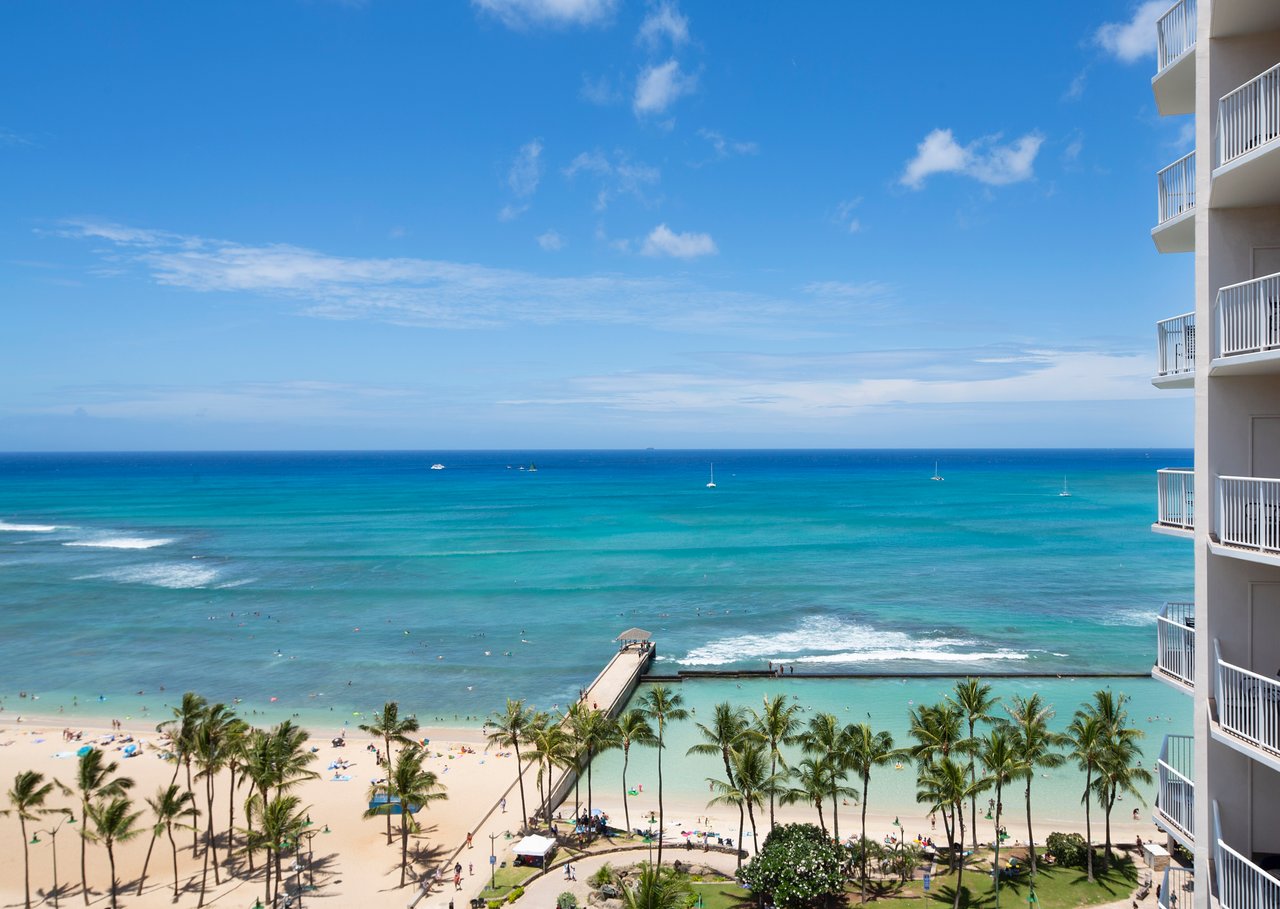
323 584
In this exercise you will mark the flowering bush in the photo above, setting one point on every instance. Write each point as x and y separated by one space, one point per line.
798 866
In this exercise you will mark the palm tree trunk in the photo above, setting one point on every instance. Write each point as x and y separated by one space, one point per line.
387 740
862 844
212 844
174 844
524 812
266 896
773 770
231 815
194 830
996 866
755 834
26 859
741 826
404 846
84 844
589 801
111 859
835 818
959 812
821 821
660 815
1031 837
276 889
1088 829
1106 853
204 878
147 861
626 807
973 797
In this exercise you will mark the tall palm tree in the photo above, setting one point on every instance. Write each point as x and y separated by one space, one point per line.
275 759
946 782
237 734
26 800
1119 772
778 722
822 737
730 728
511 728
633 729
1002 764
1034 743
182 733
277 825
663 706
973 699
936 731
866 750
113 822
755 781
413 787
388 725
595 732
811 775
93 781
550 745
211 752
1087 738
658 888
170 808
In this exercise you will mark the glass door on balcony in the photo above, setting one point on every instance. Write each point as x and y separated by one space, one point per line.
1265 447
1264 634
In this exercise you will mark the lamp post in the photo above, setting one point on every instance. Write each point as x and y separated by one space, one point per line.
53 836
493 862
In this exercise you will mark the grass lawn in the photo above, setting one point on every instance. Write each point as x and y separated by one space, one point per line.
505 880
1056 888
722 895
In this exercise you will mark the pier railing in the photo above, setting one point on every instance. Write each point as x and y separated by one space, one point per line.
1176 642
1175 498
1249 116
1176 188
1248 317
1249 513
1177 888
1176 340
1175 33
1175 797
1241 883
1248 704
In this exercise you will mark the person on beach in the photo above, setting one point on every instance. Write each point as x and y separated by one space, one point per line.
469 844
503 803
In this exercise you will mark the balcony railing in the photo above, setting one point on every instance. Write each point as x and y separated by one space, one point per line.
1249 116
1175 33
1241 883
1176 642
1177 889
1249 513
1176 188
1248 316
1176 338
1248 704
1175 491
1175 799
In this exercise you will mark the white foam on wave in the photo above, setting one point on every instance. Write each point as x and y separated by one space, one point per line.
829 640
236 583
174 577
121 542
1129 617
6 527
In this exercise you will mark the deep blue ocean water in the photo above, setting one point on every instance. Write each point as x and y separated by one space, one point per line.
338 580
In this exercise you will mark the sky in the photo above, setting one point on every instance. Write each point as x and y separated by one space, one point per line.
311 224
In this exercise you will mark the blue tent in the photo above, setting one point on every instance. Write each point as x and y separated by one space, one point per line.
382 799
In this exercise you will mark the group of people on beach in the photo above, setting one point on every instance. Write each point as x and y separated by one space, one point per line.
780 670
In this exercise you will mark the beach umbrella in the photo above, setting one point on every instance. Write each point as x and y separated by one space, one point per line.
84 749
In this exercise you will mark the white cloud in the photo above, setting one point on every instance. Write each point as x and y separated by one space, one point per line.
551 241
1131 41
663 21
1075 91
599 90
614 175
662 241
523 178
845 215
520 14
847 290
725 147
985 160
660 85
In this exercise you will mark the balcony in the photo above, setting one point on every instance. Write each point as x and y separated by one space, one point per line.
1248 322
1176 646
1248 519
1175 80
1248 167
1248 710
1175 500
1176 358
1175 229
1177 889
1175 797
1242 884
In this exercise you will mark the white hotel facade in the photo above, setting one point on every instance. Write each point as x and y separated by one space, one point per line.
1219 789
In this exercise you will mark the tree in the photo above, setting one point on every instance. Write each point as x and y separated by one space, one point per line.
663 706
170 807
1118 771
730 728
413 787
752 784
113 822
1034 743
777 722
511 728
551 746
798 866
935 730
657 888
275 760
1002 765
1088 748
182 735
821 737
93 781
237 734
594 732
974 701
26 800
866 750
211 752
633 729
276 826
946 782
389 726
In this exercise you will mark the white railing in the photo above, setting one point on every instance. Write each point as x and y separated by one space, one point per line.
1175 33
1177 889
1248 704
1241 883
1175 493
1176 642
1176 338
1249 116
1175 798
1248 316
1249 513
1176 188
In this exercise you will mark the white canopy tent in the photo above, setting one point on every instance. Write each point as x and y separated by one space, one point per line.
535 845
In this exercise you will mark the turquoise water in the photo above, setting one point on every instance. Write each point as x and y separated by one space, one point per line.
331 582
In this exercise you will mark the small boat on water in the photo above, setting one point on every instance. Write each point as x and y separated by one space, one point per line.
936 475
533 468
1065 492
712 484
437 467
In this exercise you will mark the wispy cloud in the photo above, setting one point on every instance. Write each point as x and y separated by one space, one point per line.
846 215
661 85
724 147
11 139
615 175
551 241
1075 90
663 22
599 90
985 159
523 178
523 14
1132 40
662 241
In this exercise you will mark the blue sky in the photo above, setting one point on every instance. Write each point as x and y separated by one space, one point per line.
582 223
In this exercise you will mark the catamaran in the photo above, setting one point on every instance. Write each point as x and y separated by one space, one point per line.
712 484
936 475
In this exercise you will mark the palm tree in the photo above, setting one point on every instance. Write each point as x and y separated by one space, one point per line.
113 822
811 775
551 746
658 888
730 728
511 728
946 782
26 800
974 701
866 749
93 780
237 734
1087 738
211 752
1002 764
821 737
182 734
279 822
936 731
275 760
413 787
778 723
755 781
1119 772
633 729
170 806
664 706
1034 743
390 727
593 732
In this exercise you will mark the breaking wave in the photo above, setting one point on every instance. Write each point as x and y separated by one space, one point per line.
121 542
173 577
26 528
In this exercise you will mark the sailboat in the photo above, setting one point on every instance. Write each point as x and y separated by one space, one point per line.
936 475
712 484
1065 492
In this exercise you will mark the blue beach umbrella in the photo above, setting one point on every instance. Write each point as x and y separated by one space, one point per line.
84 749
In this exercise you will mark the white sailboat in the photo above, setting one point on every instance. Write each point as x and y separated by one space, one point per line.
712 484
936 475
1065 492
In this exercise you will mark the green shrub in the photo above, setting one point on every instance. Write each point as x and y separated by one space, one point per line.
603 875
515 894
495 904
1068 849
566 900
